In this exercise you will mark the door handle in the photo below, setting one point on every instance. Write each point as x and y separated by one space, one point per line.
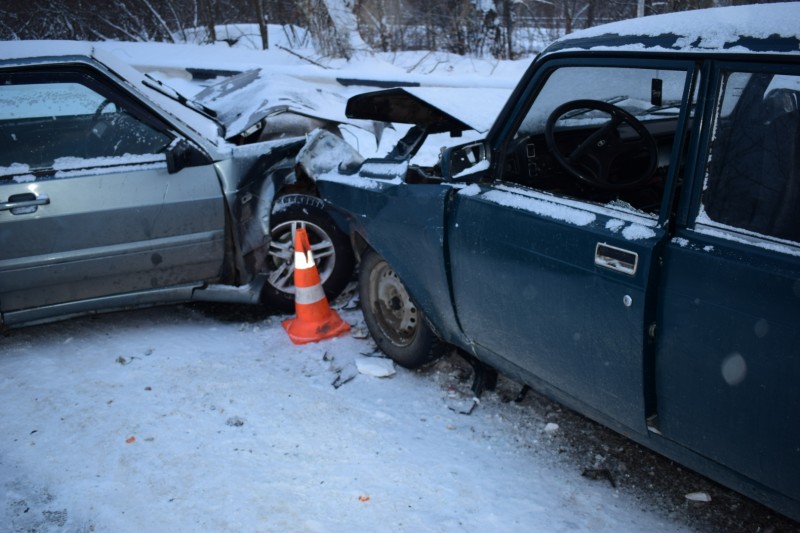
25 203
617 259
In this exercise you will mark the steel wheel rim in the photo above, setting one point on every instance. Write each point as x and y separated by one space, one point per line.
396 315
280 257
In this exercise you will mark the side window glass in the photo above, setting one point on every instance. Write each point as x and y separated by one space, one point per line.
753 170
63 125
602 134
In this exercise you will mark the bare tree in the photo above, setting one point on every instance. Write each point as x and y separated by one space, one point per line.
258 9
334 27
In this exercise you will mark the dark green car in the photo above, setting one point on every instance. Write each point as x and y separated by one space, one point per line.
626 239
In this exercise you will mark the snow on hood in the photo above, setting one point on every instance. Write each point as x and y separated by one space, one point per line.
720 29
243 100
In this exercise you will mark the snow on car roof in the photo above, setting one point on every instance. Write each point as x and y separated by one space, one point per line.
14 53
748 28
35 49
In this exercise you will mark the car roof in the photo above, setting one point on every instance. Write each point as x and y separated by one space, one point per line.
30 53
763 28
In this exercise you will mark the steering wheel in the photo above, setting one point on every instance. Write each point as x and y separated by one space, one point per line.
594 158
98 136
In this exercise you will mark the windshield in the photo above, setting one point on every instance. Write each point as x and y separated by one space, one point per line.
647 94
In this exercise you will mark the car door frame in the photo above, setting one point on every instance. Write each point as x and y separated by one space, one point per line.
617 416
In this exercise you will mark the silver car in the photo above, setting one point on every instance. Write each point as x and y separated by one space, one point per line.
117 192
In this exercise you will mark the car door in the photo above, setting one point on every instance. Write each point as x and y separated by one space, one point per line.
728 351
556 276
88 208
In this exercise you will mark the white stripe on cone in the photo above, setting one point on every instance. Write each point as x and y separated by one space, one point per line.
308 295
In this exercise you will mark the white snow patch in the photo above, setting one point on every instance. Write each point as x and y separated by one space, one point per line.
540 207
472 189
358 181
636 232
14 168
480 166
614 225
551 427
711 29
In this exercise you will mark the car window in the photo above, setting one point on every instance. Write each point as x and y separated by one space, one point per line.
67 124
600 133
753 170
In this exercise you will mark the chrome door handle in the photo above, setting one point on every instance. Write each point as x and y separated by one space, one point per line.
617 259
22 204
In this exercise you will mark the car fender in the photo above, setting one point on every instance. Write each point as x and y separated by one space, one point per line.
406 226
250 182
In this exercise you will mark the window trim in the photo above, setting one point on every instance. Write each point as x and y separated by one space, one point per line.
502 134
97 81
691 202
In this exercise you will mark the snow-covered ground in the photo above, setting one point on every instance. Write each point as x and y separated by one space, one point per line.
192 418
170 420
207 418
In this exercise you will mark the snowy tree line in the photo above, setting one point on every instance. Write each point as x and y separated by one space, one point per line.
501 28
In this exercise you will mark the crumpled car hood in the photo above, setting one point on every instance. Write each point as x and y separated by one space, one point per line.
242 101
436 109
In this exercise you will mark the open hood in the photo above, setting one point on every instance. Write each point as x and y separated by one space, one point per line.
435 109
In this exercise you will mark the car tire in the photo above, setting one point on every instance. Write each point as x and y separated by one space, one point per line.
331 247
395 322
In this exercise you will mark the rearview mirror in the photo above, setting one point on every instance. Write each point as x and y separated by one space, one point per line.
182 153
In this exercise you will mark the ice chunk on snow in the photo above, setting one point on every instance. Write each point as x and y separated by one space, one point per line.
551 428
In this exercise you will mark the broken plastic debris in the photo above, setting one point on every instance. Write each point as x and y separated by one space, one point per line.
345 375
373 366
130 439
359 333
698 497
363 498
462 406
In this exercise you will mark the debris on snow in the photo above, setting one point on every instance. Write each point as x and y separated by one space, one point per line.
698 497
359 333
376 367
345 375
462 406
235 421
599 473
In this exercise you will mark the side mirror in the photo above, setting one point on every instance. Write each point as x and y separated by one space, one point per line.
182 154
465 162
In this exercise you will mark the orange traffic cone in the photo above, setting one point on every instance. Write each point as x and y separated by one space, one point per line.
315 319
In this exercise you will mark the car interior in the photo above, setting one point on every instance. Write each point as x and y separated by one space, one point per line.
42 122
754 173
